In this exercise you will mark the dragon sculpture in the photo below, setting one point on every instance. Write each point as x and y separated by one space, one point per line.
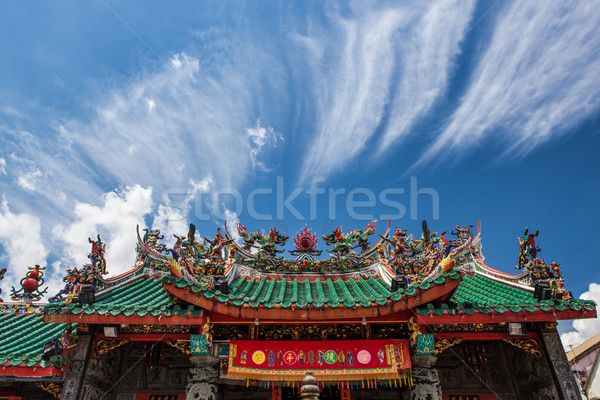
342 244
428 256
267 245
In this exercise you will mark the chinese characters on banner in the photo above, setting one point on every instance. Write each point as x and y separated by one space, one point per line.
327 360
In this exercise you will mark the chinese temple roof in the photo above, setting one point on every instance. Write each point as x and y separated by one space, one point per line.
312 296
479 293
141 297
250 280
22 336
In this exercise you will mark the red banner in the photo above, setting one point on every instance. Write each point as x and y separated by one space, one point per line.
343 360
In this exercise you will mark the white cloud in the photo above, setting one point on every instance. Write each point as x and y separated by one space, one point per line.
583 329
232 220
260 137
151 105
390 62
536 78
172 216
2 166
20 236
28 180
115 220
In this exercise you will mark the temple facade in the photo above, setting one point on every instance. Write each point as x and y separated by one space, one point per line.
236 317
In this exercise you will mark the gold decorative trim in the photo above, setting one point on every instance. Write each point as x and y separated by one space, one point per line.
531 346
314 332
550 324
181 345
149 328
55 389
224 364
476 327
106 345
443 344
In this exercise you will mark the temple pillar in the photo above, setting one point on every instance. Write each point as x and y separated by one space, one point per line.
426 380
563 376
203 378
76 372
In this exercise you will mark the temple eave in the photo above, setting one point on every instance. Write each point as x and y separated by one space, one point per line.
293 313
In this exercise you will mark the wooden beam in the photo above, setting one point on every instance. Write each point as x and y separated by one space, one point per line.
508 316
123 319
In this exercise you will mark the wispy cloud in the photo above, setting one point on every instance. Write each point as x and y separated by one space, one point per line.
380 62
165 130
537 77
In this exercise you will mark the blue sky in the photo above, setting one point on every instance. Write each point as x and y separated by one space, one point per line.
114 114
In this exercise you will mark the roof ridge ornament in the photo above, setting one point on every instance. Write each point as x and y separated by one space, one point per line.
84 278
30 286
540 273
2 272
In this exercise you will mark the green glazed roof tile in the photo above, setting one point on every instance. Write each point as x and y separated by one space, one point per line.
22 337
334 291
142 296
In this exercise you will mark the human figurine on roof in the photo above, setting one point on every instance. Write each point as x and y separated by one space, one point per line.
528 249
97 256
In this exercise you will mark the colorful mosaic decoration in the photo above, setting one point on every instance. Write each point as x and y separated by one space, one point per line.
198 345
425 344
223 350
539 271
348 360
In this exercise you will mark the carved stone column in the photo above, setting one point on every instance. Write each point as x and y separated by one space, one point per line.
564 379
426 381
76 371
203 378
309 389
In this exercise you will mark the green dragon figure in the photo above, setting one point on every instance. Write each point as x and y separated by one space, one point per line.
267 245
342 244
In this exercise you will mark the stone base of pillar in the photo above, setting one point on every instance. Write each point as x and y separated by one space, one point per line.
426 381
203 378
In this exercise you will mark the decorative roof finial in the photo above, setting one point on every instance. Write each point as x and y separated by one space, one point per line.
96 256
2 272
305 244
30 286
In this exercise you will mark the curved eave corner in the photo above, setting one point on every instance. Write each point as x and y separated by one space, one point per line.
481 298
